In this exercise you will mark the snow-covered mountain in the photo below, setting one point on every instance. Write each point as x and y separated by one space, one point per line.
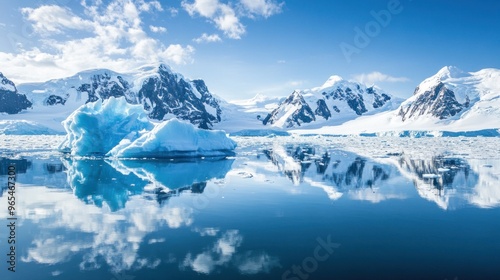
163 93
454 94
335 102
11 101
449 102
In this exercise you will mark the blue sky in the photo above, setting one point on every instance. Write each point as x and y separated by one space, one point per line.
244 47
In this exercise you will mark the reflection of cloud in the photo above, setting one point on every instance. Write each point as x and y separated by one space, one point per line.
53 250
223 252
114 237
220 254
253 263
207 231
105 217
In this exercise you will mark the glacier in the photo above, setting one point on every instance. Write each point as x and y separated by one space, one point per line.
118 129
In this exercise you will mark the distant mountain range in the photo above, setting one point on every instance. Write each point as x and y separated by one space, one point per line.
450 103
451 100
336 101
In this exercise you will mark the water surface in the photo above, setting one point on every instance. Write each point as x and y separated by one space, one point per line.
277 211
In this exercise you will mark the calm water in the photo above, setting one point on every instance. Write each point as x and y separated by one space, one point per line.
277 212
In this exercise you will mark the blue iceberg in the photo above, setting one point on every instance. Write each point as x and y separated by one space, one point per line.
115 128
176 139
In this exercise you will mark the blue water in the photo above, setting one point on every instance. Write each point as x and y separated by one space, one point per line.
282 212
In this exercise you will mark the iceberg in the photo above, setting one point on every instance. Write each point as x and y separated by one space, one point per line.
115 128
95 128
176 139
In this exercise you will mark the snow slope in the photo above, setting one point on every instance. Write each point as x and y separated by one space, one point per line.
247 114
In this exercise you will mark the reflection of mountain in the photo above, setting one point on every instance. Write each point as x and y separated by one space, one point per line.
448 182
21 165
334 171
44 172
113 183
453 182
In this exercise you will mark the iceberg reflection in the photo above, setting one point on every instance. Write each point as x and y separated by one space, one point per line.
112 183
112 209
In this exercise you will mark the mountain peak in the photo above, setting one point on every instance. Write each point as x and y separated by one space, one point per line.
6 84
164 67
332 81
450 72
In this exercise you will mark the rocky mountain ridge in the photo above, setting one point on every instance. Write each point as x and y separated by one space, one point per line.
163 93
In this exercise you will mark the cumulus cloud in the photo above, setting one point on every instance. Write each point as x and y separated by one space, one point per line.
104 36
227 18
265 8
205 38
52 19
206 8
157 29
375 77
229 23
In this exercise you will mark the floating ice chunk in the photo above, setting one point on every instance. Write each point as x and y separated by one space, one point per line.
176 139
95 128
430 176
23 127
442 170
260 132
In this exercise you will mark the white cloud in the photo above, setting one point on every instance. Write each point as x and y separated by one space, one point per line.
221 15
54 19
265 8
157 29
149 6
173 12
178 54
110 36
375 77
228 19
205 38
206 8
229 23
